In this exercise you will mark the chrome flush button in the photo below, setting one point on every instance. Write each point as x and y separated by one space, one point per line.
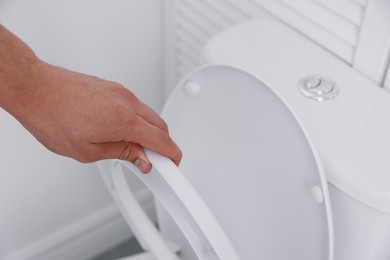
318 87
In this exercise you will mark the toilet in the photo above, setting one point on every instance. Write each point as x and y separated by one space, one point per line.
286 156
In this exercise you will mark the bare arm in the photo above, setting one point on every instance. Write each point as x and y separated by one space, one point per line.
77 115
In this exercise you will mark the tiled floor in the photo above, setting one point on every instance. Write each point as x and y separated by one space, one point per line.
129 247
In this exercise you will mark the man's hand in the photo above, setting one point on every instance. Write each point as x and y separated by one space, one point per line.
90 119
76 115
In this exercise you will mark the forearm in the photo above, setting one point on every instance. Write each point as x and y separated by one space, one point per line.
18 66
77 115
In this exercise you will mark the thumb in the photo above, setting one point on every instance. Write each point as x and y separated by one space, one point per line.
126 151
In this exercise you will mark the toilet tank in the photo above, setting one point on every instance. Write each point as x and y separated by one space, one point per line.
350 128
351 131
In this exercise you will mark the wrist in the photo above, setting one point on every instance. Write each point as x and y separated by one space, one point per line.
18 84
19 70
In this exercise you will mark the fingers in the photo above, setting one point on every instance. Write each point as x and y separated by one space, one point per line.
150 116
139 124
143 110
152 137
127 151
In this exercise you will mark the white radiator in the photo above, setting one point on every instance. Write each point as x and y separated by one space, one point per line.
337 25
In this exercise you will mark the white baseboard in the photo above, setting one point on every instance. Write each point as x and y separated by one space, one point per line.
86 238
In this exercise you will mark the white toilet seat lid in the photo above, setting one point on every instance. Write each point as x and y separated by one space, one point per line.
249 159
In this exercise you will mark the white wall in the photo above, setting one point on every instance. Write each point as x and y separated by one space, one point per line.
42 193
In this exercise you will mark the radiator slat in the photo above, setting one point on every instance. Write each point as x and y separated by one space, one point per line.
190 41
248 7
192 29
345 8
333 24
325 18
360 2
212 15
203 26
188 53
185 63
330 41
227 9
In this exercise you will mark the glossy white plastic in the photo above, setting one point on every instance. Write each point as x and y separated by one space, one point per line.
253 165
347 131
179 198
350 132
258 147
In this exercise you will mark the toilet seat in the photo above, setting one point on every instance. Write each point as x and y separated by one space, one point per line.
247 158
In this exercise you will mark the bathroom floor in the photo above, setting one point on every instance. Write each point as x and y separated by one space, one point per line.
129 247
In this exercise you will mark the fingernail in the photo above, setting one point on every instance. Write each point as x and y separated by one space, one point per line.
141 165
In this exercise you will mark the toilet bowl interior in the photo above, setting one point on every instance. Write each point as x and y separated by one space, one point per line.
251 162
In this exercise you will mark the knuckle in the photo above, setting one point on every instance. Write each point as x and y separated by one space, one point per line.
123 114
164 126
130 152
129 120
166 139
120 110
123 91
125 153
116 87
